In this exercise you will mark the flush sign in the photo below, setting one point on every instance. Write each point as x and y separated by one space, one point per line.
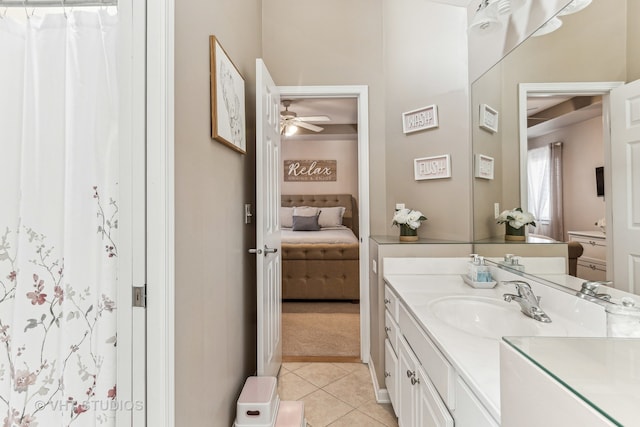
432 167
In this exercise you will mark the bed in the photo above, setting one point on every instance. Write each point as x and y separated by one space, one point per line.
321 265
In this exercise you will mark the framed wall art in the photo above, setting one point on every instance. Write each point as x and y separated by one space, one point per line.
420 119
488 118
432 167
484 166
227 99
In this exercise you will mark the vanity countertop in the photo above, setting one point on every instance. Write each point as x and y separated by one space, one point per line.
476 358
603 372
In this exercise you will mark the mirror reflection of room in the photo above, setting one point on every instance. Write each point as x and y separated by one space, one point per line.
562 165
319 221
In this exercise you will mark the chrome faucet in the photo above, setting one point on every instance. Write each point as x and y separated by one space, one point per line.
529 303
589 291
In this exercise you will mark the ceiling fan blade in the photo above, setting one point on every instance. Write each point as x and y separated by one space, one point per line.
308 126
314 118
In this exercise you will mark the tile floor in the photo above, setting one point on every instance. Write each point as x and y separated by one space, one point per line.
334 394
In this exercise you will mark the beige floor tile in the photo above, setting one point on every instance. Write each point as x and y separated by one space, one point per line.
321 408
362 371
293 366
352 389
321 374
356 418
382 412
292 387
351 366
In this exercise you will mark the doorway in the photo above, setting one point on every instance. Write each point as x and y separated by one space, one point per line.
359 94
591 117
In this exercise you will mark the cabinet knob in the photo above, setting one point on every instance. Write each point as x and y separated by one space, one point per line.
591 266
387 329
415 381
386 374
592 243
410 373
387 301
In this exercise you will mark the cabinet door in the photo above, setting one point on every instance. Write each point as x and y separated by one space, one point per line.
391 374
407 363
432 411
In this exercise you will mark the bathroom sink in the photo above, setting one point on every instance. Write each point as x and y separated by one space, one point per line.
489 318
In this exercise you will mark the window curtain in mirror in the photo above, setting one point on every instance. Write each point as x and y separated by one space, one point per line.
556 211
59 219
544 175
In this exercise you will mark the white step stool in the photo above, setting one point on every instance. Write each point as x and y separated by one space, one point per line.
259 406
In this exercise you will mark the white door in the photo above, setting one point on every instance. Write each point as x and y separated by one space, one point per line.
268 244
625 184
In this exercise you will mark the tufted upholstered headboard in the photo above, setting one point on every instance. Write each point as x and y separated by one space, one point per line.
350 218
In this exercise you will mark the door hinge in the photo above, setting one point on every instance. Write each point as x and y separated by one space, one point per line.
140 296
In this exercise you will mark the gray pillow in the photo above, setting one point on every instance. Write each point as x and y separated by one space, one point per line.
306 223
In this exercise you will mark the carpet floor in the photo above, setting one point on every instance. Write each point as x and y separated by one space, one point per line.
327 329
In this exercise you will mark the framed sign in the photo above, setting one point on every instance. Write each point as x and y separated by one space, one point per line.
435 167
420 119
310 170
227 99
484 166
488 118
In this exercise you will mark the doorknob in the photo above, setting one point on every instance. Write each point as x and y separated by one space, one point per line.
268 250
255 251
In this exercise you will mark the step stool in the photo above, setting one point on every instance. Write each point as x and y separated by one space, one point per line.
259 406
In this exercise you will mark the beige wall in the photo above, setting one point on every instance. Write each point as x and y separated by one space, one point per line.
215 303
344 152
582 152
633 41
425 59
333 42
382 44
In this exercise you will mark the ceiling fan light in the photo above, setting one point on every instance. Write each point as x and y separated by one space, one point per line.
485 19
574 6
290 130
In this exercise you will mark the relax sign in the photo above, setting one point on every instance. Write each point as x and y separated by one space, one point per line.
310 170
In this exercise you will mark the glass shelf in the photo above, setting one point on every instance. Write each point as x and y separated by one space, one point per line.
603 372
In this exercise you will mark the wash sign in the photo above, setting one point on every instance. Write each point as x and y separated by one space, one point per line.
310 170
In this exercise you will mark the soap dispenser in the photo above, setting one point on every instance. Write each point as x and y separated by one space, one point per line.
482 271
473 267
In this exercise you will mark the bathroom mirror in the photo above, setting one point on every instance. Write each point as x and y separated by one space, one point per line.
592 45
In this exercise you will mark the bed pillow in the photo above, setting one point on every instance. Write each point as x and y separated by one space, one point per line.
305 211
306 223
286 217
331 217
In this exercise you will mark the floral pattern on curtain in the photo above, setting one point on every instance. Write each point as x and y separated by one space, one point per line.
59 220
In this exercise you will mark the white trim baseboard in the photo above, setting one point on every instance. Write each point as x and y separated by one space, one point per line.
382 394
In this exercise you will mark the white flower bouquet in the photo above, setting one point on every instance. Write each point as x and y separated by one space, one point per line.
409 218
515 218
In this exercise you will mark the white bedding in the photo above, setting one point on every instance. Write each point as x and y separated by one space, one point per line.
325 235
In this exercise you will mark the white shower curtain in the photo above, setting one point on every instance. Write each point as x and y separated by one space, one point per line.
58 219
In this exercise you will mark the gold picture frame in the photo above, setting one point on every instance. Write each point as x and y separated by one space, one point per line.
228 116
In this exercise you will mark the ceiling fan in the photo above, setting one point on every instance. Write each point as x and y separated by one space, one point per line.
290 121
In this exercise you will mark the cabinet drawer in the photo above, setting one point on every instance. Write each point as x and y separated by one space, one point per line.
590 270
436 366
469 410
391 374
391 328
391 302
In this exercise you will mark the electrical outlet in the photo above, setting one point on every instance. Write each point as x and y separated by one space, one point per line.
496 210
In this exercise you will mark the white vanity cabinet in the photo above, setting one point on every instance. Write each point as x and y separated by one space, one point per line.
592 264
423 386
